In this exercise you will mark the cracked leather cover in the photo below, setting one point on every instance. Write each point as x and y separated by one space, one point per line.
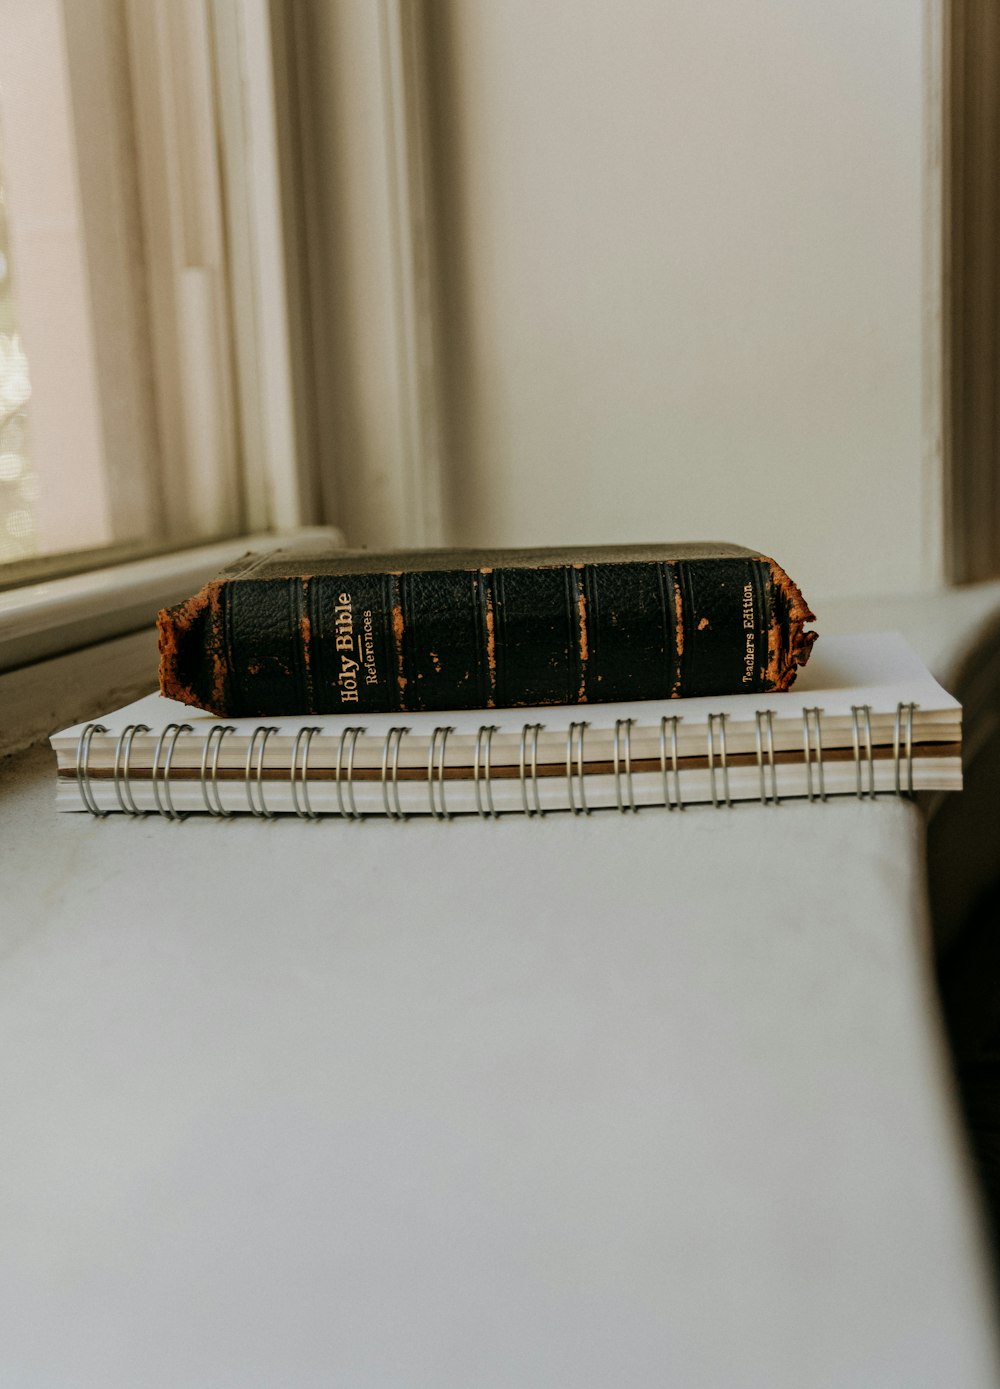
357 633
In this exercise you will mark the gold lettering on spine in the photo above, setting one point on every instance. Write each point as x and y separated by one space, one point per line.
366 644
750 632
343 627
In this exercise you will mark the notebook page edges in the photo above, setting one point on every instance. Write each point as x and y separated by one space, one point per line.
876 669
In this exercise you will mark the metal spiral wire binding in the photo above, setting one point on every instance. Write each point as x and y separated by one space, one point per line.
765 751
161 777
83 769
623 758
120 773
481 762
721 720
677 803
258 745
435 762
348 742
812 728
531 730
903 732
299 777
210 771
575 735
390 773
863 712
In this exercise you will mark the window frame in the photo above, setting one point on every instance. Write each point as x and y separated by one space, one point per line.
215 298
70 646
168 193
72 217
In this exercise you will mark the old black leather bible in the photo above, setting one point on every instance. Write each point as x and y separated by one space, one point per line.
356 632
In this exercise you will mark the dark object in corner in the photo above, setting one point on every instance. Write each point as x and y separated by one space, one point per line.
969 981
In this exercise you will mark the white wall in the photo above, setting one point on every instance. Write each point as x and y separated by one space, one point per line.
685 284
678 261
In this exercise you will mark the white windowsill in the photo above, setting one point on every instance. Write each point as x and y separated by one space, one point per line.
183 1003
47 619
73 647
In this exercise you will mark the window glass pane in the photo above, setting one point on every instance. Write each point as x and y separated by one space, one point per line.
114 283
18 483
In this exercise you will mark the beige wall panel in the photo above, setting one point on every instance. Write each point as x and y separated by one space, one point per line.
683 277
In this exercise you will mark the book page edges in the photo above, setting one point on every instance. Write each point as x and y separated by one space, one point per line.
789 644
193 666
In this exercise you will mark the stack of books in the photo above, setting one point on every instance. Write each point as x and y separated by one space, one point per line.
448 684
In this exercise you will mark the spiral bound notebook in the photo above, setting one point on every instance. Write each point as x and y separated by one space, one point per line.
865 718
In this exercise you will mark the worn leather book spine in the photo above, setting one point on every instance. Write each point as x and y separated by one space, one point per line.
458 630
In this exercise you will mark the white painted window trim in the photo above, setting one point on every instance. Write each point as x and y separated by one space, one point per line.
279 483
407 156
365 202
180 186
934 477
41 620
37 700
74 647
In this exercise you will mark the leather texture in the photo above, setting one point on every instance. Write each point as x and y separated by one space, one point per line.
364 641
